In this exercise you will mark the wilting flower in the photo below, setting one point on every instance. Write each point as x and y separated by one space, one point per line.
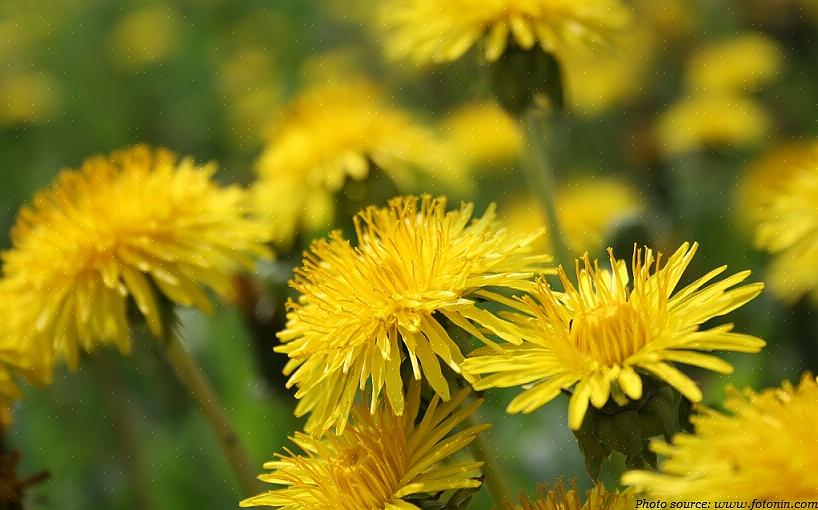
333 132
737 64
703 120
416 270
562 498
380 461
137 224
599 335
764 449
787 228
588 210
434 31
484 134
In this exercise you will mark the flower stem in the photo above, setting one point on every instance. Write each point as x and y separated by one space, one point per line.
545 133
193 378
494 478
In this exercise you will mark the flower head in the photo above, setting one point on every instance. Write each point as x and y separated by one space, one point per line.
737 64
336 131
788 228
434 31
561 498
763 449
364 309
598 334
137 224
379 462
484 134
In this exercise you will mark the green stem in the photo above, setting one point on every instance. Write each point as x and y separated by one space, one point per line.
544 139
494 478
192 376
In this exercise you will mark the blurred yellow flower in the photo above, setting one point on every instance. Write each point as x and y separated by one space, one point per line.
379 462
331 132
787 226
737 64
434 31
365 308
145 36
28 97
598 334
588 210
561 498
703 120
136 224
483 134
763 450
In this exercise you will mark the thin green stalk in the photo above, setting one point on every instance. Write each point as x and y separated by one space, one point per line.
494 478
545 135
192 376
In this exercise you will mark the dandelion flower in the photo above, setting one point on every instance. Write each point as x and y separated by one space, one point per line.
598 336
787 229
570 498
365 308
764 449
333 132
434 31
484 134
588 210
381 461
137 224
737 64
712 119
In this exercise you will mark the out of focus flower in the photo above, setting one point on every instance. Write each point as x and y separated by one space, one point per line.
145 36
434 31
28 97
703 120
137 224
588 210
669 19
788 228
561 498
741 63
332 132
763 450
597 335
364 309
382 461
484 134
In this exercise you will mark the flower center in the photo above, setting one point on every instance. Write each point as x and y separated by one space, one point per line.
609 333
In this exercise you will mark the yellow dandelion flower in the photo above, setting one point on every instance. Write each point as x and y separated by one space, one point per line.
561 498
484 134
599 334
130 49
379 462
733 65
764 449
365 308
712 119
332 132
434 31
137 224
588 209
787 229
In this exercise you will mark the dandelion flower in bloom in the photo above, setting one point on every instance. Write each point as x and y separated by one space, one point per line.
706 119
787 229
484 134
588 210
435 31
737 64
764 449
570 498
138 224
380 461
597 336
364 309
336 131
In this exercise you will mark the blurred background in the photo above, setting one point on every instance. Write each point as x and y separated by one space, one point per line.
670 136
